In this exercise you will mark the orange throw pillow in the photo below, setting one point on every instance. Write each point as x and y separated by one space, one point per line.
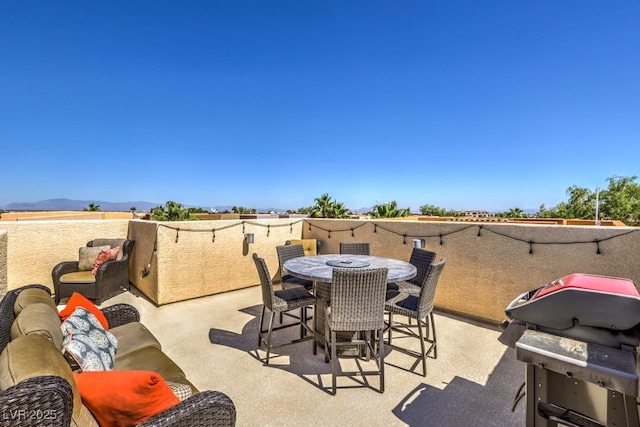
124 398
78 300
103 256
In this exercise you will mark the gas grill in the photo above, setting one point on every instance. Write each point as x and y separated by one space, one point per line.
579 337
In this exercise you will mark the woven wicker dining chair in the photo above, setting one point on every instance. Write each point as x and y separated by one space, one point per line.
420 308
354 248
281 301
285 253
357 304
422 259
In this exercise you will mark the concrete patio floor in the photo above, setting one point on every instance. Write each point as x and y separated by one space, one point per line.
214 339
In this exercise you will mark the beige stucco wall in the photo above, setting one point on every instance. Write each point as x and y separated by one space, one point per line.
484 273
35 247
3 262
196 265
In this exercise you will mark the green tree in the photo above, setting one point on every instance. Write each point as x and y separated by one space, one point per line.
305 210
543 212
133 209
432 210
242 210
581 204
512 213
621 200
92 208
197 210
325 207
171 211
388 210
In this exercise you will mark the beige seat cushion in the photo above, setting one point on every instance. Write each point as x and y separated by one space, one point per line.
310 246
32 356
32 296
133 336
78 277
150 358
38 319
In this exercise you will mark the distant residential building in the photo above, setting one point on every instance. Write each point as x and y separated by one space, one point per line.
477 214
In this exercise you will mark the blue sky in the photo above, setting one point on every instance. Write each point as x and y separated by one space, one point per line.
460 104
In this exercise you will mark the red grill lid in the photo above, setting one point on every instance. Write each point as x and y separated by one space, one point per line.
589 282
580 299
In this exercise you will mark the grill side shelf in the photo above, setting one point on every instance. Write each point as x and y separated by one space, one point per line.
608 367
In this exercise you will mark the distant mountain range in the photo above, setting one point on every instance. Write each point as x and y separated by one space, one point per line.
141 206
79 205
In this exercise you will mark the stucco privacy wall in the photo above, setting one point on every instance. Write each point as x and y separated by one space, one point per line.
3 263
485 272
197 258
35 247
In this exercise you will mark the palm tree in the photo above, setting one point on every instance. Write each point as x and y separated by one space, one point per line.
512 213
325 207
92 208
171 211
389 210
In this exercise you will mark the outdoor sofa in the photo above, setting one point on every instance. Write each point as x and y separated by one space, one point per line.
38 386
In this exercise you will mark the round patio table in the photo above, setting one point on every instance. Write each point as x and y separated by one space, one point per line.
319 269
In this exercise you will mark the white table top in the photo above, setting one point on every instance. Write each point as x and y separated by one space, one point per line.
315 267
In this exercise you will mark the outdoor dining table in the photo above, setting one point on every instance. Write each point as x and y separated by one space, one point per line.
319 269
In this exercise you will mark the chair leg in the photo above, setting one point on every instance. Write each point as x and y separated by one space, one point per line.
303 321
334 361
390 326
422 350
381 357
326 342
433 330
368 339
260 330
273 315
315 330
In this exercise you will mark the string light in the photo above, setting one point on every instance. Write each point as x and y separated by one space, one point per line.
480 228
375 230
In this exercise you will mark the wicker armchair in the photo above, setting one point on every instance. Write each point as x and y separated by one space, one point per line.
354 248
422 260
419 308
357 304
111 278
48 399
285 253
282 301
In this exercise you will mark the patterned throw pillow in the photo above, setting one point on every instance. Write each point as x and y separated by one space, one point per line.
182 391
87 255
103 256
87 343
